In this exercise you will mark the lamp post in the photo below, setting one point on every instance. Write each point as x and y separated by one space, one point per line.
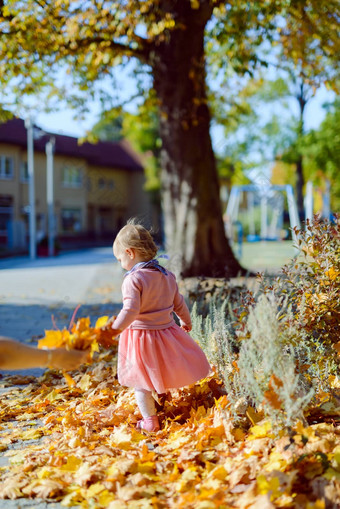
49 148
31 188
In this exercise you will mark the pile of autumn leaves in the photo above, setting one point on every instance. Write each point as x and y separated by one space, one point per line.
83 449
73 439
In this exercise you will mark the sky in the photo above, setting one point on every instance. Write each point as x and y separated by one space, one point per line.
63 121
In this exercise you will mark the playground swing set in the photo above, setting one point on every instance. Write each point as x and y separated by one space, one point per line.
271 201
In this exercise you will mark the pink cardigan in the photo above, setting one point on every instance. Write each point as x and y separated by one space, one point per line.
149 298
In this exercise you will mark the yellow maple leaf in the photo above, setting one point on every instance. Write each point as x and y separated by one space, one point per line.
253 415
94 489
44 473
105 498
332 273
54 339
334 380
271 486
276 462
148 467
121 437
72 464
260 430
238 434
54 395
101 322
85 382
332 475
31 434
219 473
318 504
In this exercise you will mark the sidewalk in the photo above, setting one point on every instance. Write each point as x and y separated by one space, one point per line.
34 294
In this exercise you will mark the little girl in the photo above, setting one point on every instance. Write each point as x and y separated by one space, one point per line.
154 353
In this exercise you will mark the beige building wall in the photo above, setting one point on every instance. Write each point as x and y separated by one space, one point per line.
10 209
95 200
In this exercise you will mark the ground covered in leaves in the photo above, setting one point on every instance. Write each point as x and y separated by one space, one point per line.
83 448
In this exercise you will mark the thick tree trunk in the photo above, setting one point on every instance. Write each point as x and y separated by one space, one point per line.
193 223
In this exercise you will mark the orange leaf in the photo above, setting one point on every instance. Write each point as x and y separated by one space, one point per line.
234 363
270 395
69 379
273 399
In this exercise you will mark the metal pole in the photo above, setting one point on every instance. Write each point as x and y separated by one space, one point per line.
309 201
326 207
293 213
50 194
31 189
264 232
251 217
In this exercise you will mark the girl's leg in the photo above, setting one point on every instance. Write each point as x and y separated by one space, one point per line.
146 405
145 402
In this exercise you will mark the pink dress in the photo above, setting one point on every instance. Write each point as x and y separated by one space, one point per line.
154 353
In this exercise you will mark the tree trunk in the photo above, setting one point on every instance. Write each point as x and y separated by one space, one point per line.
300 181
193 224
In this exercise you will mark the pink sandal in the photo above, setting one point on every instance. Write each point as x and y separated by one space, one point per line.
149 424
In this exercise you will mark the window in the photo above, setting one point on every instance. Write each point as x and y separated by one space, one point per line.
5 217
6 167
71 220
72 177
24 171
6 213
101 183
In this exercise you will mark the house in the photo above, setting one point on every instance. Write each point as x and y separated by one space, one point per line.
97 187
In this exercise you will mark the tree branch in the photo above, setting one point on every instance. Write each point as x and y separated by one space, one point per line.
140 53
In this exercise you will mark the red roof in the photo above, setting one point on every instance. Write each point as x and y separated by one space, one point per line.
103 153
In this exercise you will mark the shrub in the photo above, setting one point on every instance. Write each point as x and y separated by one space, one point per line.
276 349
314 280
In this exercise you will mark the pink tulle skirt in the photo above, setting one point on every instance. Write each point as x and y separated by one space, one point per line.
158 360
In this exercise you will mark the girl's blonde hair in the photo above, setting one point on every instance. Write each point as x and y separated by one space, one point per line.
135 236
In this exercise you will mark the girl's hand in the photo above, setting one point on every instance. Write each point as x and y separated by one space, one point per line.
187 328
107 335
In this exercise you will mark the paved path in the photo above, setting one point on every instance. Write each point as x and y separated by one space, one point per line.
34 293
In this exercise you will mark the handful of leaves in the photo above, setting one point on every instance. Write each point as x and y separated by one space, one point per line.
107 335
80 336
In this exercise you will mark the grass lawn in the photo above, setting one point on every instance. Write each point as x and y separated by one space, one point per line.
265 256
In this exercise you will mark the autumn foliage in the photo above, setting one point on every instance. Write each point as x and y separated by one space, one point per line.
262 432
83 449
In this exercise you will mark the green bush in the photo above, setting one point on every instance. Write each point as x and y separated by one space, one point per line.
277 349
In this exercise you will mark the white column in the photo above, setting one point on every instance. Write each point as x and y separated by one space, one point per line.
251 213
293 212
31 188
326 203
50 195
309 201
264 232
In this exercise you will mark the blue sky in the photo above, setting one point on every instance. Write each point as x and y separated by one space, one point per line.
63 121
